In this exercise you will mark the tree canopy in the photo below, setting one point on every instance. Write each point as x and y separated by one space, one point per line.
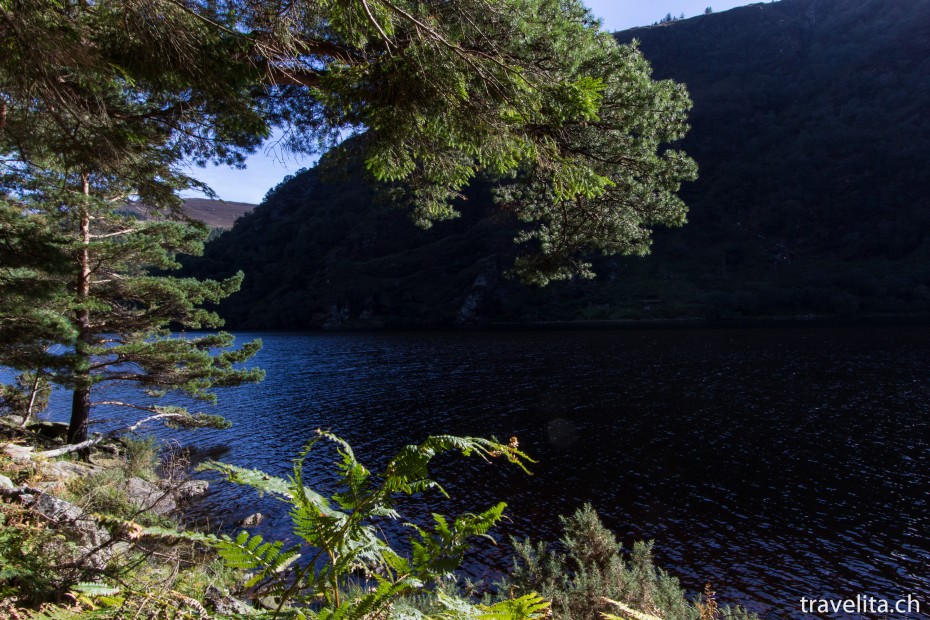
529 90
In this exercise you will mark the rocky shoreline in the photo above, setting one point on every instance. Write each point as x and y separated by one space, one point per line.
44 486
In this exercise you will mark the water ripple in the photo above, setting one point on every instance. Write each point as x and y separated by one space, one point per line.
774 463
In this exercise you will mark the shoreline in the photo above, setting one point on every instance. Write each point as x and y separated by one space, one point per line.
772 322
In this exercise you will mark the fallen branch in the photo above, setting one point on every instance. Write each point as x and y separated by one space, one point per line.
109 435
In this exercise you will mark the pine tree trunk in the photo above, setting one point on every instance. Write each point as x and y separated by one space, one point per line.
80 403
80 415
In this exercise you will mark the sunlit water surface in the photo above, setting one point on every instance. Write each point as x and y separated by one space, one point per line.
773 463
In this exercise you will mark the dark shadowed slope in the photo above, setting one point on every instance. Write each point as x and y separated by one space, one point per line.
811 125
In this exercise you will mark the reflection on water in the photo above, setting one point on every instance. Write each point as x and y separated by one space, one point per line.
774 463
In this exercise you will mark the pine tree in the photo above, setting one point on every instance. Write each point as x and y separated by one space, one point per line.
112 310
32 264
101 104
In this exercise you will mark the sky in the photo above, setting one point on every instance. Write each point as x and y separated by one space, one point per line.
268 166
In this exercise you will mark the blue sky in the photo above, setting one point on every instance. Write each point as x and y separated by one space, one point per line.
268 166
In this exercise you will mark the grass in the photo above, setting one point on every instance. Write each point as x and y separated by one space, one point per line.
141 457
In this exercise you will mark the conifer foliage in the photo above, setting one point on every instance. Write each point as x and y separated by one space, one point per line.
100 104
105 102
527 90
105 318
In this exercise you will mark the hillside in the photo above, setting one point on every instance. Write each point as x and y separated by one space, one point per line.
810 126
220 214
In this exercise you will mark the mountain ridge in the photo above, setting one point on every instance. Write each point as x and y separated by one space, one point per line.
808 128
219 214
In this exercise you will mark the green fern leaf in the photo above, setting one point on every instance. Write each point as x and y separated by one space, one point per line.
254 478
251 554
93 588
522 608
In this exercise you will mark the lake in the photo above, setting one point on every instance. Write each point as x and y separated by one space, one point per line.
775 463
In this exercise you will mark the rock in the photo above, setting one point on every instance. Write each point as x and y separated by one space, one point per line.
5 482
252 520
147 496
51 430
468 313
120 548
77 525
65 470
51 486
18 454
12 421
225 605
192 489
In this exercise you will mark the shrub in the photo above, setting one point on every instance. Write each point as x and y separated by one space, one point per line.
141 457
589 570
32 566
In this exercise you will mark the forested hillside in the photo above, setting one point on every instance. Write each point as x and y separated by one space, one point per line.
811 129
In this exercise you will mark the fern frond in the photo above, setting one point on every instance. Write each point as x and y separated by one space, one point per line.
527 607
57 612
355 477
373 603
93 588
439 552
252 554
469 524
346 539
170 533
524 608
407 472
254 478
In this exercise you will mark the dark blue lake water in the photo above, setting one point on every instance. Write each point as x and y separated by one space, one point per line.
774 463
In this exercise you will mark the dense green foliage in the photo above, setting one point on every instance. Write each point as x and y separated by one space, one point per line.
105 318
808 128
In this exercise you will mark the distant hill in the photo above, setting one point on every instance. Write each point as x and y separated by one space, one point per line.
811 126
220 214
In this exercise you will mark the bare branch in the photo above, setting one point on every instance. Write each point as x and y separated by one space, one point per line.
114 234
93 442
